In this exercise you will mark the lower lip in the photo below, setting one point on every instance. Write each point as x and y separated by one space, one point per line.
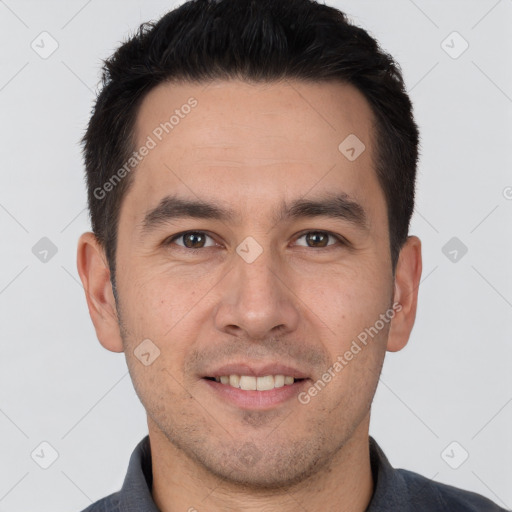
256 399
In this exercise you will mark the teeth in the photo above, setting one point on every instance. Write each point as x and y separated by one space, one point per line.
247 382
279 381
265 383
251 383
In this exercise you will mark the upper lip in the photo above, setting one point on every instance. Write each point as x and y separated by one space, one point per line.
257 370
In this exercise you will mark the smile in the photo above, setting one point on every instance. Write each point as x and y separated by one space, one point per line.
253 383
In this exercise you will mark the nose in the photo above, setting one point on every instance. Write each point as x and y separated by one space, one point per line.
257 300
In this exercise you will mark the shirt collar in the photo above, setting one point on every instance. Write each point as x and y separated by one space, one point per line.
390 491
135 495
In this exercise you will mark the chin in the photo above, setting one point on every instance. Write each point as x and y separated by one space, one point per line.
268 470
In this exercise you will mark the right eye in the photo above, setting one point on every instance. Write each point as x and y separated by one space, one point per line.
192 240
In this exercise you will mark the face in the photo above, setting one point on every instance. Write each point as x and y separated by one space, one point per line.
252 245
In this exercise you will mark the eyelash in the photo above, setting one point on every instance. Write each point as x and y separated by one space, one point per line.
341 241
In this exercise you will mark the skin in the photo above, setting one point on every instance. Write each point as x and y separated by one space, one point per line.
250 147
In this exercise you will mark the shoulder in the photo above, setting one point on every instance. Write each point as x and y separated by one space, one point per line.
424 493
108 504
407 491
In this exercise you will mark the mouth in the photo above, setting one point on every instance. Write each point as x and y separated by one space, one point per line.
255 392
248 387
253 383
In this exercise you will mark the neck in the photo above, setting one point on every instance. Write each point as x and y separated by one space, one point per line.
343 484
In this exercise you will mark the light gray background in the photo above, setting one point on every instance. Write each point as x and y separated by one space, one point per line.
451 383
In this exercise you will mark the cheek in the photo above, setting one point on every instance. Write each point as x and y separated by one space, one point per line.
346 300
157 299
171 311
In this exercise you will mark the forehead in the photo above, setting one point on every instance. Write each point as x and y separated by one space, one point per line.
251 144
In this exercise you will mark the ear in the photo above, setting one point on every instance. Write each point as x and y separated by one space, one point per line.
95 276
407 281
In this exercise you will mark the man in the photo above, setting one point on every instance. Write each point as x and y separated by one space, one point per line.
251 169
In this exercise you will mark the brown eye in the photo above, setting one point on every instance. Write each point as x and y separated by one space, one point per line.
318 239
192 240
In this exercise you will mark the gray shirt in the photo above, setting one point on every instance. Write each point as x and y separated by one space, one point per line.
395 490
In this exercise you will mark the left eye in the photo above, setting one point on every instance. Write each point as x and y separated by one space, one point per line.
318 239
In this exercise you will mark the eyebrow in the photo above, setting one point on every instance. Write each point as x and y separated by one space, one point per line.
337 206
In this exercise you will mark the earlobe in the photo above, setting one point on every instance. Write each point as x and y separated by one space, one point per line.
407 280
95 276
